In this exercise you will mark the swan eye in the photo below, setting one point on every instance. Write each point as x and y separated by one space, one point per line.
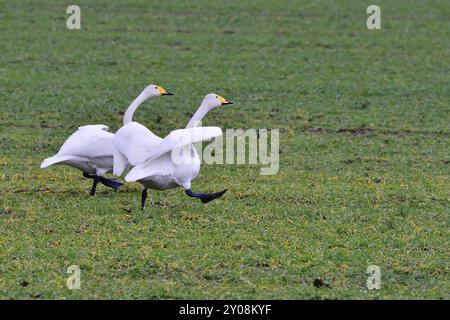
217 97
156 88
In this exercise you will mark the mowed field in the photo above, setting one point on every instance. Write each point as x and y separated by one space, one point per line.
364 165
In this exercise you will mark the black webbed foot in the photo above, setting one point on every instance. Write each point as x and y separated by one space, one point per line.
205 197
111 183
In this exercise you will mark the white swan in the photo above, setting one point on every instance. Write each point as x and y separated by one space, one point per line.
90 148
152 158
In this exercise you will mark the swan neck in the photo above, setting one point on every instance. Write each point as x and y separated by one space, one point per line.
128 116
198 116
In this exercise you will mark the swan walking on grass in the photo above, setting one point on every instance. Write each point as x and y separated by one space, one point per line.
90 148
152 156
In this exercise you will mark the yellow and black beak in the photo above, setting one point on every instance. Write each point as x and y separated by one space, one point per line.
164 92
224 101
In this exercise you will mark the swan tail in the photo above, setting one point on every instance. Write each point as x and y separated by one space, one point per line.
120 162
54 160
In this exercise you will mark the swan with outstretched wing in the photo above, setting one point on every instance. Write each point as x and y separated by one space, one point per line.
171 162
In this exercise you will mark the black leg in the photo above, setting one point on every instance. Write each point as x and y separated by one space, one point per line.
205 197
111 183
94 186
144 197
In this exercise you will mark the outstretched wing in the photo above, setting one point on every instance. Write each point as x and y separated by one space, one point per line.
174 141
181 137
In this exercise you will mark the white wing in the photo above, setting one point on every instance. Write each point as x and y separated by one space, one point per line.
120 162
181 137
134 141
89 141
160 155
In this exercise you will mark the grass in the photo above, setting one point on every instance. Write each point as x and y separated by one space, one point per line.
363 178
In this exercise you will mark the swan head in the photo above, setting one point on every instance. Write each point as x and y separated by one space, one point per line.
213 101
153 91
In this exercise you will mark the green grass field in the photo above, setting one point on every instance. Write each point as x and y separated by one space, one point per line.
364 164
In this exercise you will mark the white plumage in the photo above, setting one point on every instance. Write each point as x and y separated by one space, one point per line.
174 159
155 165
90 148
131 144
